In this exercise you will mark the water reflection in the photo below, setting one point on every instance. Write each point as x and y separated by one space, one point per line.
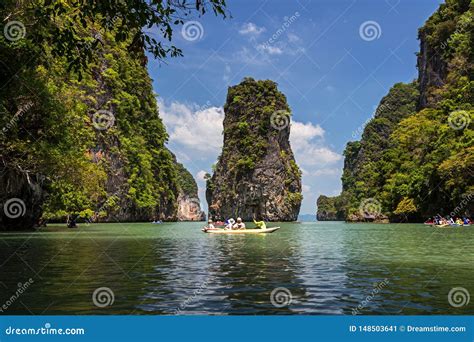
329 268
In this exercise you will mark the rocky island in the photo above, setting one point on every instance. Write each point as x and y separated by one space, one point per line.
415 156
256 173
88 149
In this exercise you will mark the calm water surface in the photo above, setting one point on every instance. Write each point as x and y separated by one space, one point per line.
329 268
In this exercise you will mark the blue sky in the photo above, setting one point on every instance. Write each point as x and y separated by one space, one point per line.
334 60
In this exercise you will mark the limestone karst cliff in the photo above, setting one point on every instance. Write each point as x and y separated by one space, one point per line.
256 174
415 157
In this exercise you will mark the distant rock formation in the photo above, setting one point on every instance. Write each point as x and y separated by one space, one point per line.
415 157
189 206
256 174
328 209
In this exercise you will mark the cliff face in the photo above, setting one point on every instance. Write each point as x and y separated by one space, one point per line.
92 148
329 209
436 58
416 155
189 205
256 174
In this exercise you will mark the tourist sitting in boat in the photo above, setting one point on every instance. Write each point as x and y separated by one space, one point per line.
260 224
466 221
459 221
210 225
239 224
230 223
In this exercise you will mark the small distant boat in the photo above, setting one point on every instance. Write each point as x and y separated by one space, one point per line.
157 222
240 231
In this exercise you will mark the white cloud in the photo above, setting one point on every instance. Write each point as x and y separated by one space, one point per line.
200 175
199 130
307 141
306 188
293 38
269 49
251 29
312 155
327 172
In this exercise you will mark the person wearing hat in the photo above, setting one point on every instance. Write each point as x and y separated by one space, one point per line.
210 225
230 223
239 224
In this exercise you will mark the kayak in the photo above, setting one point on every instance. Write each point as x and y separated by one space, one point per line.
241 231
441 225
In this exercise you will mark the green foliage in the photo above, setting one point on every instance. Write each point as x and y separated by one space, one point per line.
50 113
406 206
294 198
57 24
419 163
186 181
250 105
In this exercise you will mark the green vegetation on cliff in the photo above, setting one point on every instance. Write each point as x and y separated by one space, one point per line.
256 173
416 156
186 181
81 133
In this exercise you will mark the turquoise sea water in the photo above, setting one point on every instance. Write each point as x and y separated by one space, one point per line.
174 268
